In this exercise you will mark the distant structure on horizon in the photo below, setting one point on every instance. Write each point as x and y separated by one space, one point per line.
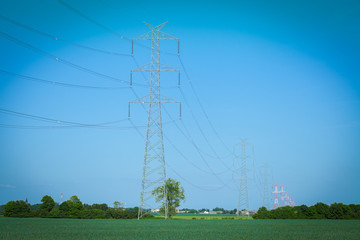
61 201
285 198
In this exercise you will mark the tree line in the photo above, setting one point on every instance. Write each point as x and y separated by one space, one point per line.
317 211
72 208
217 209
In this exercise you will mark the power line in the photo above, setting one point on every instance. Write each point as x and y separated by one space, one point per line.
91 20
36 127
55 83
51 56
62 123
61 39
171 168
190 139
195 146
202 132
194 185
201 105
81 14
56 121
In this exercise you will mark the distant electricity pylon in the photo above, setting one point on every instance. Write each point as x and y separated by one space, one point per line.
285 198
266 196
276 197
154 173
243 191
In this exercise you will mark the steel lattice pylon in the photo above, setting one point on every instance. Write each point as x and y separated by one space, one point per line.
266 196
154 173
243 191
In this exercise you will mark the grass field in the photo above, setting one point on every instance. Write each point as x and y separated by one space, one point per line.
41 228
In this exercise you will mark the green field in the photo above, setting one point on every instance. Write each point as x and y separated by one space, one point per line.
41 228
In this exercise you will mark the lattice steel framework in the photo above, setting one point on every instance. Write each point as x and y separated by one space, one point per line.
154 173
266 196
243 191
276 197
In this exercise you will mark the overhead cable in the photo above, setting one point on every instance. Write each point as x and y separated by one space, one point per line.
61 39
63 61
81 14
55 83
202 107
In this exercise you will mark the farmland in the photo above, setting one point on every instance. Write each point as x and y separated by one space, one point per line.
37 228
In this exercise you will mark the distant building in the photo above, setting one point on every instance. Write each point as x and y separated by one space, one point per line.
155 210
245 212
179 211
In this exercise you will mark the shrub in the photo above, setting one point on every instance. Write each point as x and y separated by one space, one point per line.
17 208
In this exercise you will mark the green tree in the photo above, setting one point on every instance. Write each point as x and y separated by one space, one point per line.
71 207
322 209
48 203
340 211
75 206
64 207
117 204
175 194
102 206
17 209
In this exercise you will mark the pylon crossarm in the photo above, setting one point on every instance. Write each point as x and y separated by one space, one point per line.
165 36
146 36
166 68
159 27
149 25
147 68
144 99
165 99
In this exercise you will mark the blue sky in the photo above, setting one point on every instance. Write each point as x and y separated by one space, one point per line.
283 74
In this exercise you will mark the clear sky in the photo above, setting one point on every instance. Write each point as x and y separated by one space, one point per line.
284 74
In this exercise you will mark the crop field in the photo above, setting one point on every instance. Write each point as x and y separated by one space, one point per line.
40 228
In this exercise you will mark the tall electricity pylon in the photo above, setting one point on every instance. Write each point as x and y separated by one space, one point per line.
266 196
154 173
243 192
276 197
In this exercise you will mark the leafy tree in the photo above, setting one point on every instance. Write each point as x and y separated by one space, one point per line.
92 214
64 207
175 194
262 213
218 209
322 209
48 203
75 206
233 211
102 206
204 209
17 208
117 204
2 209
340 211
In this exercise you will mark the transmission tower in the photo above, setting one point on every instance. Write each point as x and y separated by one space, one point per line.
266 196
154 173
243 191
282 195
276 197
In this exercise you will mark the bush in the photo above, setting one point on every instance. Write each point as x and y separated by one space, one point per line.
318 211
92 214
17 208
